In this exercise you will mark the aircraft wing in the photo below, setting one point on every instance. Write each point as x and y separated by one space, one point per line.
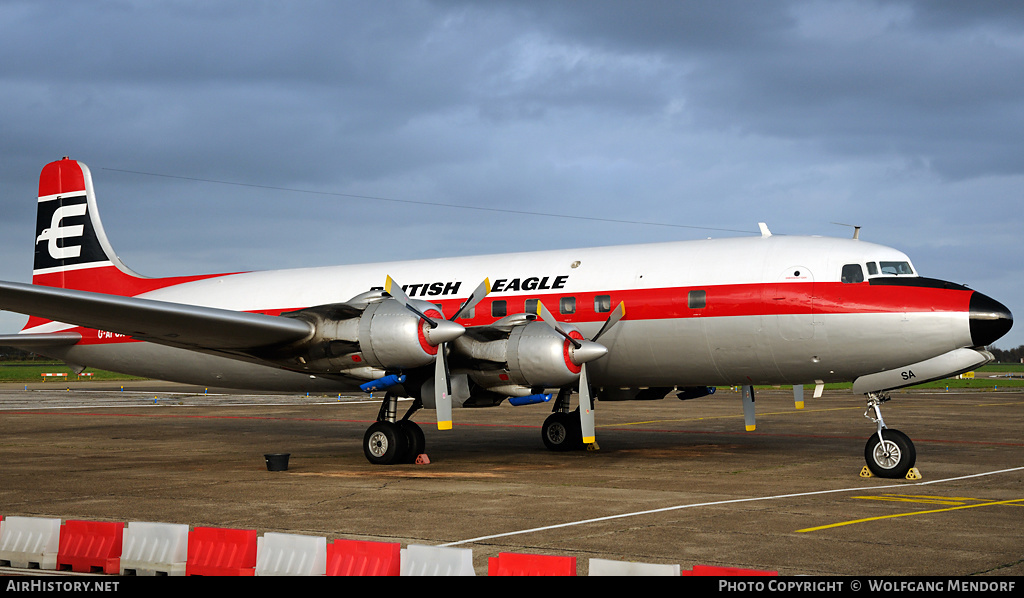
146 319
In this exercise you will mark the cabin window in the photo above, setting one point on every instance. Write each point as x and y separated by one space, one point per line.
853 273
896 268
499 309
872 269
697 299
603 304
567 305
467 314
530 306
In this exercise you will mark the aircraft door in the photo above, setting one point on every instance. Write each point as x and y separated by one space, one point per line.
792 303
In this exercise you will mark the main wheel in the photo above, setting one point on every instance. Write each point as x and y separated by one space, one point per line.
415 441
561 432
892 458
384 443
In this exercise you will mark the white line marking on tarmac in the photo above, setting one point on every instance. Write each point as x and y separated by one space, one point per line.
721 502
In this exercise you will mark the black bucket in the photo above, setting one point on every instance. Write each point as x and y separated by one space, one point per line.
277 461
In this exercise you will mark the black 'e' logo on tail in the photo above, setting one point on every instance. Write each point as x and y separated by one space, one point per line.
65 235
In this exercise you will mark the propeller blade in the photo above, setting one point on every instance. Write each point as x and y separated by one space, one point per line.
442 391
586 409
748 408
475 297
616 315
395 290
551 321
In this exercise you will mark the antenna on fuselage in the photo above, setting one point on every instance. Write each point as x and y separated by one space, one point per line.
856 229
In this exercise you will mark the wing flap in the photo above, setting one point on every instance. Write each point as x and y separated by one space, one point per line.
157 321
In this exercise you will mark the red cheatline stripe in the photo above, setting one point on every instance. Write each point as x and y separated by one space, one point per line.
722 301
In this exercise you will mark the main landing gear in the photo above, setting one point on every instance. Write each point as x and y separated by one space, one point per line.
562 430
889 453
390 440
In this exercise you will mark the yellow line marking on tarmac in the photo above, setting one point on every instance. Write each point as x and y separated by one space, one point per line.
919 499
843 523
930 497
751 499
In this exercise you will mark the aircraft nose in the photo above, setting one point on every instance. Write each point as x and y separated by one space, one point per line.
990 320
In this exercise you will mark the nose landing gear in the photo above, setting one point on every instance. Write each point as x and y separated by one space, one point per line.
889 453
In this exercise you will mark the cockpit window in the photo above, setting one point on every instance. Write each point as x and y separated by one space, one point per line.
853 273
896 268
872 269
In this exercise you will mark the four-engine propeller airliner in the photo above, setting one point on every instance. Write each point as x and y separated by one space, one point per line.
629 322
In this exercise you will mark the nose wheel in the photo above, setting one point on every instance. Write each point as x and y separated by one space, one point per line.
889 453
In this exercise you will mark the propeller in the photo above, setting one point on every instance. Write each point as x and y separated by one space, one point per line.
442 382
439 331
584 351
443 331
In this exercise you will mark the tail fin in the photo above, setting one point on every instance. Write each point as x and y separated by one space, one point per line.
72 251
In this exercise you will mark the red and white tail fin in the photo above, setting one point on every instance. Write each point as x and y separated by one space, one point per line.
72 251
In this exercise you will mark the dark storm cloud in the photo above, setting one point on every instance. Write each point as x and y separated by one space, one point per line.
942 81
898 116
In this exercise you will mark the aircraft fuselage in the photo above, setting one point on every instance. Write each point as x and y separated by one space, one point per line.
764 310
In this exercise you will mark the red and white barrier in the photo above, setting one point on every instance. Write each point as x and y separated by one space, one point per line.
143 548
355 557
436 561
29 542
154 549
220 551
606 568
291 554
90 547
531 565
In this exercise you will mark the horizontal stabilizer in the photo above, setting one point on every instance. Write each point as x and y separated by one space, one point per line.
173 324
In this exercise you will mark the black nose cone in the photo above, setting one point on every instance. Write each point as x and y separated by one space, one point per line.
990 320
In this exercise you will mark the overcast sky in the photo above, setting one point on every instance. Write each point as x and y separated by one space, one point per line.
903 117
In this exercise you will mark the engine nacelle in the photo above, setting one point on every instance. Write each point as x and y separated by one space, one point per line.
366 337
391 336
537 356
